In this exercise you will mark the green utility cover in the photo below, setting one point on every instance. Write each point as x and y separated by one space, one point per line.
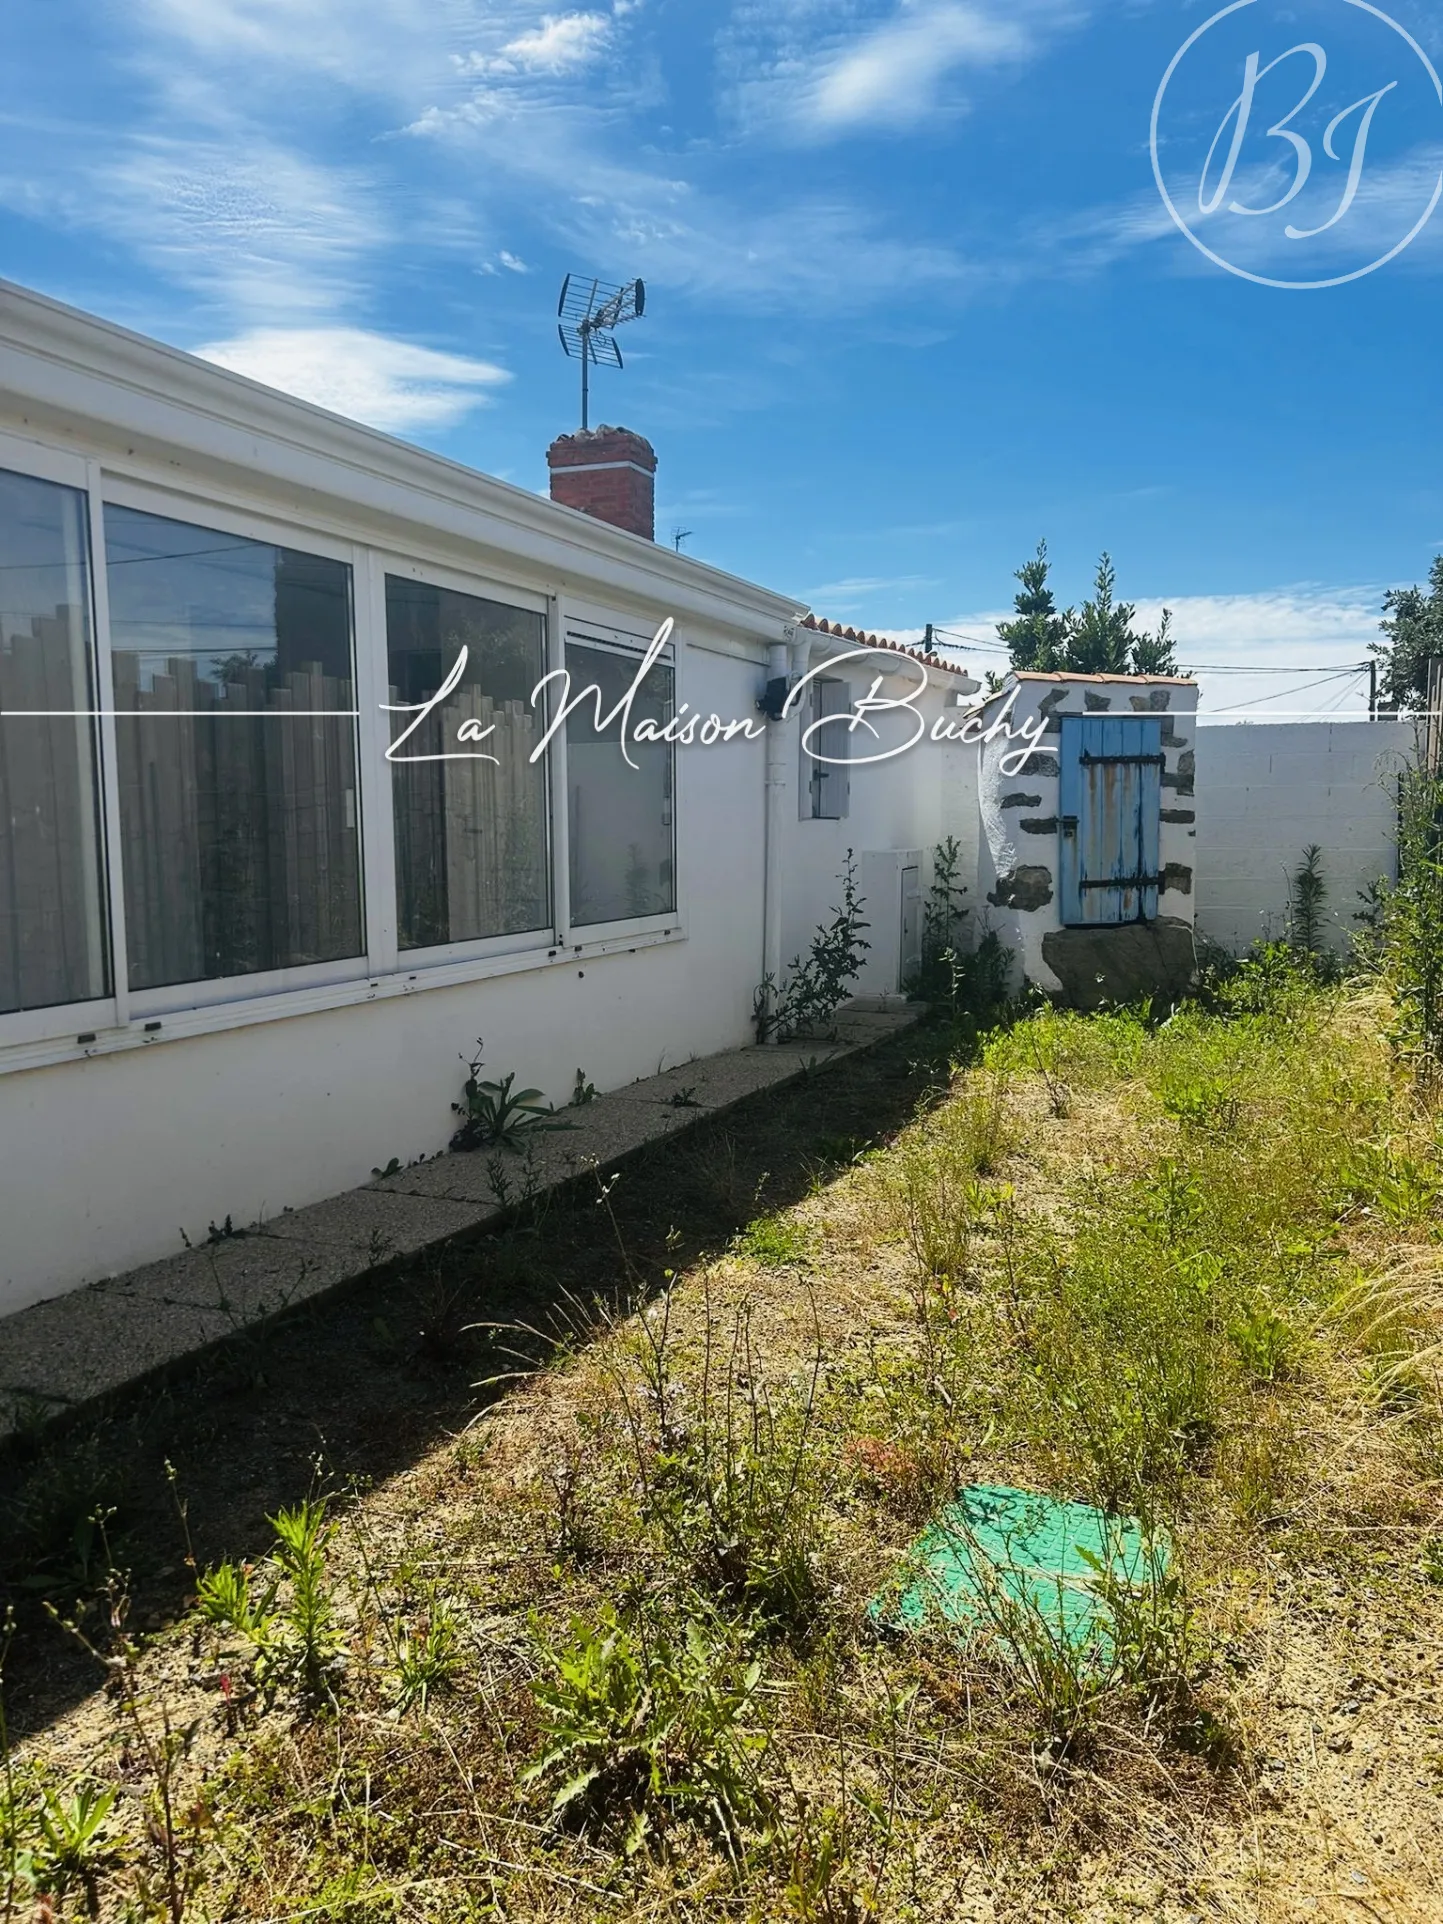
996 1549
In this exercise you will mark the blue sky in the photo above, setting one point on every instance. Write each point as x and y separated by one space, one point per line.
915 299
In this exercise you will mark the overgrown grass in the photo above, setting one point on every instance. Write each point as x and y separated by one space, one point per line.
610 1654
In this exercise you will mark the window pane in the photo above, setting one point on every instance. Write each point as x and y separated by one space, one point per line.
471 836
620 818
52 916
237 744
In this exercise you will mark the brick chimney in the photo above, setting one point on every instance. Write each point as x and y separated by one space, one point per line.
609 473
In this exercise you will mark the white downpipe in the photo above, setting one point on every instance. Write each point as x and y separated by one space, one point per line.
784 663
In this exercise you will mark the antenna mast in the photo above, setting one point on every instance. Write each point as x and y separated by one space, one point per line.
588 315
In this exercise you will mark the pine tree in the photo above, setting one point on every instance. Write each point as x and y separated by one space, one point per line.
1037 639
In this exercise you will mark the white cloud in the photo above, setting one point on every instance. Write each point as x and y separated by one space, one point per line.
818 70
560 44
1311 633
894 73
389 384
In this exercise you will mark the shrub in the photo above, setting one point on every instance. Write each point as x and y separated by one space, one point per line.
807 1000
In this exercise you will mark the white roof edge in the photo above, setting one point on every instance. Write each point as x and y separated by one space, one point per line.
39 335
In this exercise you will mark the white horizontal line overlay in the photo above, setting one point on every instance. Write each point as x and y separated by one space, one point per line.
180 714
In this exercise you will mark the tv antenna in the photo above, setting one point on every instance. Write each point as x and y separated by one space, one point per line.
587 317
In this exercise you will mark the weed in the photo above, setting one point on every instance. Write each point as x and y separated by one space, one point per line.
1266 1343
933 1177
645 1726
287 1617
584 1091
498 1112
427 1653
807 1001
685 1098
776 1242
727 1474
177 1831
72 1830
1139 1645
1307 899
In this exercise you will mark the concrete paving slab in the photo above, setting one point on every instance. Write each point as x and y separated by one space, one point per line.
65 1353
246 1277
380 1223
79 1347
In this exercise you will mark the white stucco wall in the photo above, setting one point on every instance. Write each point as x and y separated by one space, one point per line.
1008 803
104 1160
911 802
1265 793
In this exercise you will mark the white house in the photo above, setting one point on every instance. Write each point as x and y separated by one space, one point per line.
322 757
241 951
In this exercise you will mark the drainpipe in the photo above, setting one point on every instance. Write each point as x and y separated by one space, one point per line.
786 662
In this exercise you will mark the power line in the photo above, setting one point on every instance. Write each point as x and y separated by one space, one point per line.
1343 674
974 644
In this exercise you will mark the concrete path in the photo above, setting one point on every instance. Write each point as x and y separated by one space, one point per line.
61 1355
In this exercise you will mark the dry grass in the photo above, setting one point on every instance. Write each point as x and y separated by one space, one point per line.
1193 1270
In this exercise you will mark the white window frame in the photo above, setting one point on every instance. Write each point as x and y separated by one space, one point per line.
811 772
619 640
72 1019
172 998
381 861
125 1019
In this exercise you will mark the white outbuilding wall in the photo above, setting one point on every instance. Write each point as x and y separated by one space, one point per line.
1267 792
907 804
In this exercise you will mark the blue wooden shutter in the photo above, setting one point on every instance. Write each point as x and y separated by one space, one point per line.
1109 810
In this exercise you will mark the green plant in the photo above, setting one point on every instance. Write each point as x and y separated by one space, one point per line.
499 1112
776 1242
167 1879
1139 1641
807 1001
1098 638
286 1618
427 1653
644 1725
1266 1343
1386 1179
727 1472
934 1177
939 971
72 1831
1412 625
1307 901
584 1091
1409 944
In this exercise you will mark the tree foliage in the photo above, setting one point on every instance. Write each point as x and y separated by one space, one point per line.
1413 628
1097 639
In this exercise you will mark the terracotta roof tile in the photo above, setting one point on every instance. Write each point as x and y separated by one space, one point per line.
865 640
1038 674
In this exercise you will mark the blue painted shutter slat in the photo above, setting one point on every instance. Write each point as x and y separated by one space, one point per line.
1109 827
1069 802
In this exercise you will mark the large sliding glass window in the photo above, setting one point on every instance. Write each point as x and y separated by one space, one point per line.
236 732
619 818
471 834
53 946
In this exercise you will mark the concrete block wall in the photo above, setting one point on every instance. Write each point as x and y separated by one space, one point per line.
1265 792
